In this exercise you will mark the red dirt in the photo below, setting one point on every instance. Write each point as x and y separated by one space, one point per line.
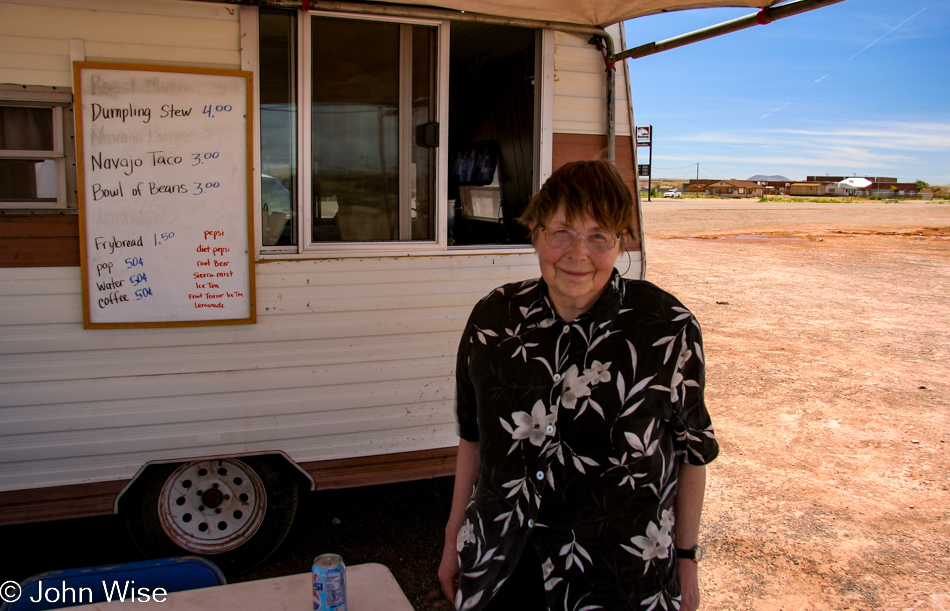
829 386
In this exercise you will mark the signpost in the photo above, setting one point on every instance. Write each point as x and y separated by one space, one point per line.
645 138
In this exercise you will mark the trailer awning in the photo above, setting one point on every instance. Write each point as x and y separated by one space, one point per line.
584 12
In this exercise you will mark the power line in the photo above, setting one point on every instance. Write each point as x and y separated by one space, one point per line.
682 167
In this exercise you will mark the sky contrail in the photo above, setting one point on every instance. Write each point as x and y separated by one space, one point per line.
774 110
886 33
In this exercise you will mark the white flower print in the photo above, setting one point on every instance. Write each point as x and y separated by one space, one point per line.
547 568
574 387
661 599
598 372
466 535
573 552
534 426
677 380
481 333
666 519
655 544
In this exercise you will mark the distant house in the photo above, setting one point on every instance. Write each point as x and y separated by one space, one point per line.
775 187
807 188
697 185
734 188
833 188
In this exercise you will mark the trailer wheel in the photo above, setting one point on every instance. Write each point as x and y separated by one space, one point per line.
237 512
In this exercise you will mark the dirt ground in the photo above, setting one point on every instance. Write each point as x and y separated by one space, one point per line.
828 381
828 353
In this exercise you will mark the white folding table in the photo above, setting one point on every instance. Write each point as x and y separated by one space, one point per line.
369 587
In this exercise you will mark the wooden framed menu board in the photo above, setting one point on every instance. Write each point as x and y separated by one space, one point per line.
164 156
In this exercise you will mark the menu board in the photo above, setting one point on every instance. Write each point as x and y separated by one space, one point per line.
164 195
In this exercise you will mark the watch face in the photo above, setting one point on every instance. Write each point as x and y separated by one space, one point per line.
698 550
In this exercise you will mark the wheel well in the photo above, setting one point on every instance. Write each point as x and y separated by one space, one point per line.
278 460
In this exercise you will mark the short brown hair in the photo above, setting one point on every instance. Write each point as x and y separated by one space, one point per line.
592 188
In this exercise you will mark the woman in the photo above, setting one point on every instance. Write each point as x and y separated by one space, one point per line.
584 434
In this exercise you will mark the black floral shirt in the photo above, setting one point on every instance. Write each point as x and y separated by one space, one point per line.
581 427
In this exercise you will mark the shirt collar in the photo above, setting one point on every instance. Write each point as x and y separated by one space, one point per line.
605 309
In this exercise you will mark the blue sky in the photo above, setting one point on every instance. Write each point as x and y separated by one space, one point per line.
860 87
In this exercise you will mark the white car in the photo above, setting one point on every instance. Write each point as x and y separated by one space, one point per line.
672 193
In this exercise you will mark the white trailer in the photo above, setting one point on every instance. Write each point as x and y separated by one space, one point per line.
370 248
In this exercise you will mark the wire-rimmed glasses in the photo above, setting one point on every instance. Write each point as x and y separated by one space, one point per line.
597 241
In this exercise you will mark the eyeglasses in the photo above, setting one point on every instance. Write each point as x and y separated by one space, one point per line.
597 241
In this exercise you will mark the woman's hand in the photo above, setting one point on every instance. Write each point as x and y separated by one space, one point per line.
689 585
449 571
691 488
466 472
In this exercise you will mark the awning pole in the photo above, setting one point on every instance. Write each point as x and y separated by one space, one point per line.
765 16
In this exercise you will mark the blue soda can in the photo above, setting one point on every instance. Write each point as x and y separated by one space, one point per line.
329 583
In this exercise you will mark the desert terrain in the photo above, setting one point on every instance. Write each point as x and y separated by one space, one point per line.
828 357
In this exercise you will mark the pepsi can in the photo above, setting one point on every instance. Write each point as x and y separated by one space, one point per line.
329 583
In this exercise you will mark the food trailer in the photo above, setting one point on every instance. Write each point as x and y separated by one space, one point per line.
239 240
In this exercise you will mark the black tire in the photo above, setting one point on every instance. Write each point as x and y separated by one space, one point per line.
235 512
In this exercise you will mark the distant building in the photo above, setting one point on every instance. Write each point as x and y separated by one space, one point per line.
881 186
775 187
735 188
808 188
837 179
696 185
893 189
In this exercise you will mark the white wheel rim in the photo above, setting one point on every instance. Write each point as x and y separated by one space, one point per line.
212 506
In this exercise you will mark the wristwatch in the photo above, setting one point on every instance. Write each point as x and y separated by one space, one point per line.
694 553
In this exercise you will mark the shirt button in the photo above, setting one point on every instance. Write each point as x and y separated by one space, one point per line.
550 429
530 523
557 377
539 475
548 568
566 329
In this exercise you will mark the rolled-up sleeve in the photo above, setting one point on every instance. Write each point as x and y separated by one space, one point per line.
694 437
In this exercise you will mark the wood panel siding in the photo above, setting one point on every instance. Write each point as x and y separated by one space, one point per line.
39 240
59 502
87 500
387 469
573 147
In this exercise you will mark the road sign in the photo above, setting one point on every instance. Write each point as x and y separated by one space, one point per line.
644 135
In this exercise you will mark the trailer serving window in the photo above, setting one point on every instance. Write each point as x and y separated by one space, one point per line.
358 150
366 170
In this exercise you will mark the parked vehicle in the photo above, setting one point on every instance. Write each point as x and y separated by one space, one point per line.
672 193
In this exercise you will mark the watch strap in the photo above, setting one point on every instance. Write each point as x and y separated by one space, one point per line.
692 553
